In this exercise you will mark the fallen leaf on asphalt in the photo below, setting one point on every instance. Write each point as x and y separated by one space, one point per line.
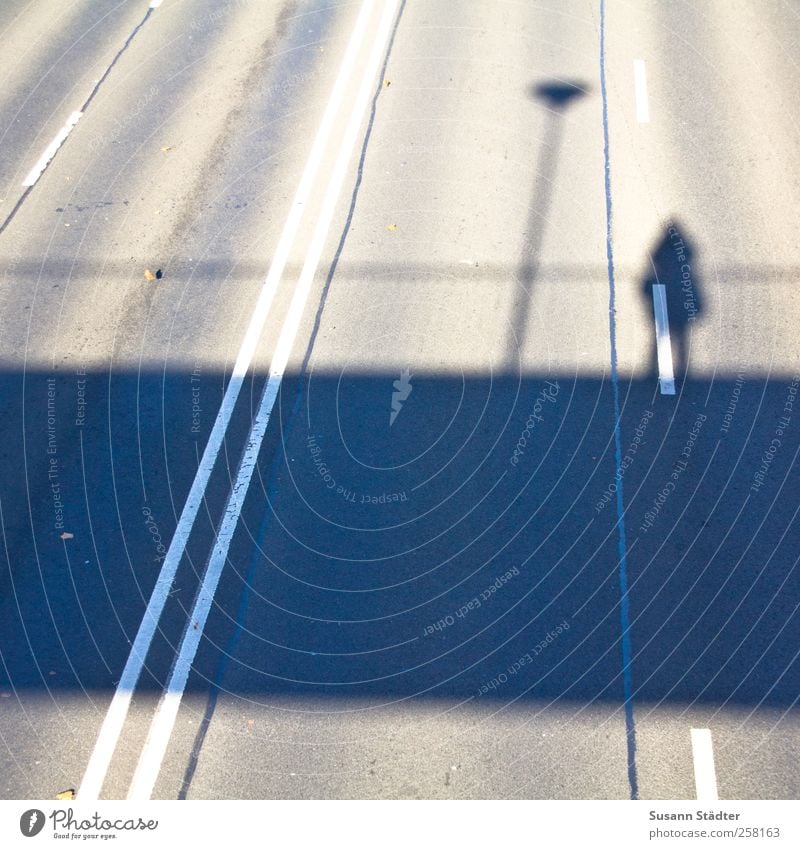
66 794
391 227
148 275
387 83
67 535
167 147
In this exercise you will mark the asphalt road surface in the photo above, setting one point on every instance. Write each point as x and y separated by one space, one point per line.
400 399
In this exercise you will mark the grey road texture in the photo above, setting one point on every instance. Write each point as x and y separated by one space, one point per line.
400 399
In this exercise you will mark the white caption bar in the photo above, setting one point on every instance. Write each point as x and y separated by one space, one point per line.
460 823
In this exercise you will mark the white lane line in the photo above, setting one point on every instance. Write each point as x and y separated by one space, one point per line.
705 775
640 86
61 136
155 747
51 150
666 377
115 717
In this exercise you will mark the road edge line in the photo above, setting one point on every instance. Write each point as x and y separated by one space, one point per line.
111 729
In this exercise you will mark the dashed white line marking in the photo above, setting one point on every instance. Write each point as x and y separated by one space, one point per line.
51 150
705 775
666 376
155 747
118 710
640 86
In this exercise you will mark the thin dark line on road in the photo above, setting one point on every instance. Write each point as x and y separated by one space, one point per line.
10 217
624 608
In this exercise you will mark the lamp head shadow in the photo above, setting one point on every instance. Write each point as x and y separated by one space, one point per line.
558 94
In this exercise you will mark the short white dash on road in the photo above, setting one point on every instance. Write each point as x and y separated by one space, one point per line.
666 376
111 728
156 3
705 775
155 746
640 86
51 150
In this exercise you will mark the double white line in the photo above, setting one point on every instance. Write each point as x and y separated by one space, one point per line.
161 728
666 375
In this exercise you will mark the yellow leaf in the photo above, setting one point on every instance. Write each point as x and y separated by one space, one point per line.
148 275
391 227
167 147
66 794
